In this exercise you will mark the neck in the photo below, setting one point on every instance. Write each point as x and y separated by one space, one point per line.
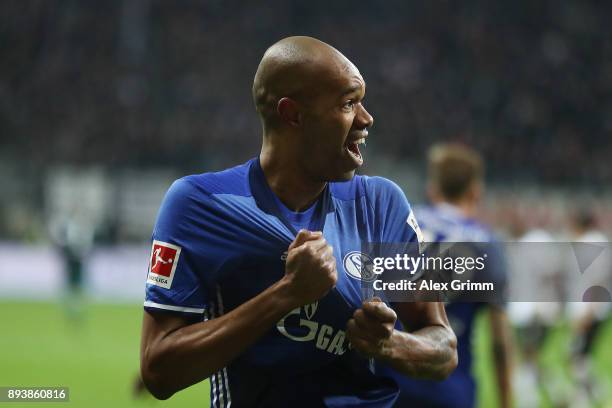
290 183
466 207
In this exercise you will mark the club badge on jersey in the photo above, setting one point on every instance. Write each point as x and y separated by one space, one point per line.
162 264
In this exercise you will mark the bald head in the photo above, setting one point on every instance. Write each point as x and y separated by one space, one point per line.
294 67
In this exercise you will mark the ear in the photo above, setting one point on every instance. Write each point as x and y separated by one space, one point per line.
289 112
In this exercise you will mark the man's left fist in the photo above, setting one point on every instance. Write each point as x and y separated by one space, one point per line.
371 327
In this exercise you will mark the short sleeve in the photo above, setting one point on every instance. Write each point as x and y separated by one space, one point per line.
396 225
397 220
174 279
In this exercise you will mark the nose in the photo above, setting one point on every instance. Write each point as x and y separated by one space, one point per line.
365 120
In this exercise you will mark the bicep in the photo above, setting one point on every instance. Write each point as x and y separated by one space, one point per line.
417 315
157 325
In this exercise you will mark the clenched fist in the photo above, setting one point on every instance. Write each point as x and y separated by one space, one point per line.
310 268
371 327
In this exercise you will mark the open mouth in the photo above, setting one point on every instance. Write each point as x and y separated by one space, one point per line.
353 149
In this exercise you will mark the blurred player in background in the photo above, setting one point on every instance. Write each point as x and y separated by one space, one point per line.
73 235
247 282
455 189
589 277
534 264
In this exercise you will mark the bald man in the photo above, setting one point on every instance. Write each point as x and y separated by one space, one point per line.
261 287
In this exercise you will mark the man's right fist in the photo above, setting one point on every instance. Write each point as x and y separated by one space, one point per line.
310 267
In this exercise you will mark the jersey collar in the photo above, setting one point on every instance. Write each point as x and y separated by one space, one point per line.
265 199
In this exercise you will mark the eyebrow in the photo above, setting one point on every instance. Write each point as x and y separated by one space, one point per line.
351 90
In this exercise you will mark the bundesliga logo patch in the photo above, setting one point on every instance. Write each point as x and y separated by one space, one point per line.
415 226
162 264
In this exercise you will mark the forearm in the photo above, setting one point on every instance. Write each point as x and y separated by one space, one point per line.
192 353
429 353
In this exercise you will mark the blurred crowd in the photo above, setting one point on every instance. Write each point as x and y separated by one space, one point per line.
147 83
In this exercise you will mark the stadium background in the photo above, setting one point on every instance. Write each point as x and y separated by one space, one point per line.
103 104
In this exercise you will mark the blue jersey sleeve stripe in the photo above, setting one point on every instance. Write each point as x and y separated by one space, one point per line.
148 303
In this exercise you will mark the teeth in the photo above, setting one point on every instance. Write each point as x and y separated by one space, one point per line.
361 141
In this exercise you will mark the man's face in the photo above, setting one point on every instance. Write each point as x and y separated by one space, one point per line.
335 123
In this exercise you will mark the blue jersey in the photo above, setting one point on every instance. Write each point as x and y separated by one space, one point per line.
222 238
445 223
